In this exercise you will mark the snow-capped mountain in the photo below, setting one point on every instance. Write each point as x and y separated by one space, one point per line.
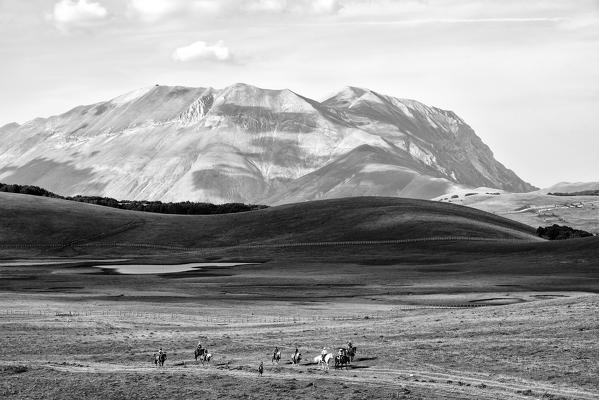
247 144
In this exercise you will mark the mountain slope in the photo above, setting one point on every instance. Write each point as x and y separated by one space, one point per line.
252 145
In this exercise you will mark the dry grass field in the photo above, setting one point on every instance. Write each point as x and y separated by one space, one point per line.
537 208
509 317
72 346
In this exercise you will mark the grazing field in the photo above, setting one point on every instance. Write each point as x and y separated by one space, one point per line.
535 208
505 316
67 345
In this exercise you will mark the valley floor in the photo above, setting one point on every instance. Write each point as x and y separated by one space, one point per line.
69 343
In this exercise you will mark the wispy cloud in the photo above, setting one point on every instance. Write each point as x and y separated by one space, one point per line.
290 6
424 21
71 14
152 10
203 51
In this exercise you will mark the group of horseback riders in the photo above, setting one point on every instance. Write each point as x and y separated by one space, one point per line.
342 351
344 356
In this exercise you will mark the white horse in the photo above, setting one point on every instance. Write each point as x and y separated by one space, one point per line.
206 357
323 364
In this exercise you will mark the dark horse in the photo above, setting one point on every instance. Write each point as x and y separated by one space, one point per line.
276 356
342 360
159 359
351 352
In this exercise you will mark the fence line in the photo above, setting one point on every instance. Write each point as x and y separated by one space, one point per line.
219 320
172 246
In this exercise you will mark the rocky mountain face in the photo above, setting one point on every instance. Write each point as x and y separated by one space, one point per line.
246 144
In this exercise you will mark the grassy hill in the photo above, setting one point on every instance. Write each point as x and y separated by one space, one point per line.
36 220
524 262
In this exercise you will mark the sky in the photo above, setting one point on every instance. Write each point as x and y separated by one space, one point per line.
523 73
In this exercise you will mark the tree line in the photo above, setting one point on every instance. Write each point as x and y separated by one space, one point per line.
184 207
581 193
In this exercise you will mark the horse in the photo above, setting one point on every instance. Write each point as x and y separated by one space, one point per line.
276 357
199 352
206 357
341 361
296 358
202 354
351 352
323 364
159 359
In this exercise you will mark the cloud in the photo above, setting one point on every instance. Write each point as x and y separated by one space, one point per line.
68 14
201 50
152 10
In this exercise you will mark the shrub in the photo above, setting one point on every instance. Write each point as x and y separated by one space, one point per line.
558 232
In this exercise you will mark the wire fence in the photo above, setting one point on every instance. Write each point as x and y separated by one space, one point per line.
174 246
91 314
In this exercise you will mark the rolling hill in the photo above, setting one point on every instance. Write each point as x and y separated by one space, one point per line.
40 220
251 145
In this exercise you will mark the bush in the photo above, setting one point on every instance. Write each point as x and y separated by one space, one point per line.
558 232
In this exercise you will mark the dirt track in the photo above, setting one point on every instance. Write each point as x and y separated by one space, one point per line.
458 383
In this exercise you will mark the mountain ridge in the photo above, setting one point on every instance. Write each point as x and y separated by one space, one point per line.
248 144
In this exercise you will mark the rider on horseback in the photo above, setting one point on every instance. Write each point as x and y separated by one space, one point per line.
349 346
199 346
275 352
323 354
160 352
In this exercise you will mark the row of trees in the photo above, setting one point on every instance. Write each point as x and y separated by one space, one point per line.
581 193
185 207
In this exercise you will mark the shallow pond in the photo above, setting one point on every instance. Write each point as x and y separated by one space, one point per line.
148 269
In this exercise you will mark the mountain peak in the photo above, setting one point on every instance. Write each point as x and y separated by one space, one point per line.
243 143
132 95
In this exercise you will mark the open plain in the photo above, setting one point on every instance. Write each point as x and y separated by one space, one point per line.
441 301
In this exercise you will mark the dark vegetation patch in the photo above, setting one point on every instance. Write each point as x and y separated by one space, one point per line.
185 207
594 192
12 369
559 232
